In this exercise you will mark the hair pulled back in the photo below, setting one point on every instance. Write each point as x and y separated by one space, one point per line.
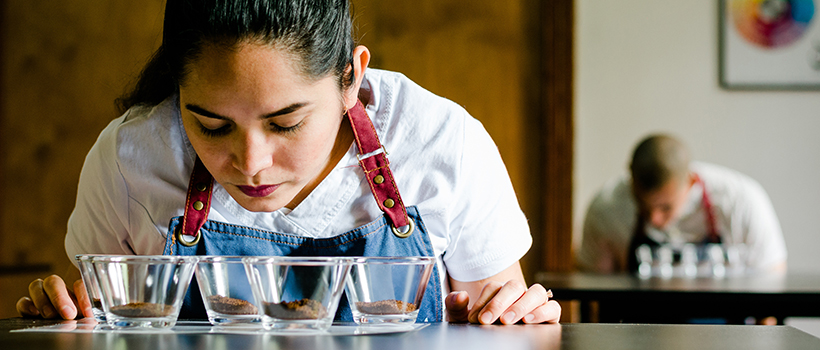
317 32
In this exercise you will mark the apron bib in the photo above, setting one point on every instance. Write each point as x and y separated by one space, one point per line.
641 238
399 232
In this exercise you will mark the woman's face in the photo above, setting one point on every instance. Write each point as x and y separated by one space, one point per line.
267 133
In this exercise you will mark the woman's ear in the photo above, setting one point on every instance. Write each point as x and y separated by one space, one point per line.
361 58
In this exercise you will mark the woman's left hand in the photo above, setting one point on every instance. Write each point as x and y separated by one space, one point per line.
508 302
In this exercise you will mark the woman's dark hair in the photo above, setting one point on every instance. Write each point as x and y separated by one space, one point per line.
316 31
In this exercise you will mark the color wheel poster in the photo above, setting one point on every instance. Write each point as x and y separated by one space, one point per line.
770 44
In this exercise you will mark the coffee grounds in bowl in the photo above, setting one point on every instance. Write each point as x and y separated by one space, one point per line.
231 306
385 307
140 309
305 309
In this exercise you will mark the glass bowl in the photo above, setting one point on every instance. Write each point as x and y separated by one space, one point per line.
226 291
297 293
92 287
387 290
143 290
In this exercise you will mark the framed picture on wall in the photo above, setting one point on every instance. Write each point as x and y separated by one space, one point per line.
769 44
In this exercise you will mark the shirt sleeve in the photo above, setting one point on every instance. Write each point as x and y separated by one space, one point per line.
765 245
488 229
99 222
596 253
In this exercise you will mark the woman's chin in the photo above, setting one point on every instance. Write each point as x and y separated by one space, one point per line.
261 204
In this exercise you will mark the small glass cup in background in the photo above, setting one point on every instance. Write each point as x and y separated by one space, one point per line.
226 291
297 293
717 259
645 260
143 290
689 260
92 287
666 257
388 290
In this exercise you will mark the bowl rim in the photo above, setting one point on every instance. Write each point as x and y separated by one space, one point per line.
298 260
221 258
150 259
394 260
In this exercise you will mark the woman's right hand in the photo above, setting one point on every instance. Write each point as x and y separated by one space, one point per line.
51 298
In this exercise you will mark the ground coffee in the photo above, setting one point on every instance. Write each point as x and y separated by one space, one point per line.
231 306
140 309
305 309
385 307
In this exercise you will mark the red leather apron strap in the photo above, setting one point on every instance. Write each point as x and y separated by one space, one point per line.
711 222
373 160
198 201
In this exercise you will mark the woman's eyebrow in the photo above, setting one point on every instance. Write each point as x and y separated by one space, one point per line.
287 110
206 113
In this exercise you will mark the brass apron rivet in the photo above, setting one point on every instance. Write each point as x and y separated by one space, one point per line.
378 179
198 205
188 242
389 203
410 227
201 187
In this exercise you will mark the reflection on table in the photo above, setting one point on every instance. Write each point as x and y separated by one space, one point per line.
629 298
435 336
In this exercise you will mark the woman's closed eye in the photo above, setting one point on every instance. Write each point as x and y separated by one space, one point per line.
220 131
227 128
285 129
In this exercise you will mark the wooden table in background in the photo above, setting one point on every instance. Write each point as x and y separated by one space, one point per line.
628 298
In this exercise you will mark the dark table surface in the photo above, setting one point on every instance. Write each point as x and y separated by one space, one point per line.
436 336
629 298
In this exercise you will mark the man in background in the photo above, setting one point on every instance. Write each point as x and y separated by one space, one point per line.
668 199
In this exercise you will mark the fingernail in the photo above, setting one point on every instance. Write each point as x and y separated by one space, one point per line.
509 317
65 310
486 318
529 318
33 310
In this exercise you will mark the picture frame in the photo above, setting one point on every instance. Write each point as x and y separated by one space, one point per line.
769 45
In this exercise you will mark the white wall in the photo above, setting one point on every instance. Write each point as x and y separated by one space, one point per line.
645 65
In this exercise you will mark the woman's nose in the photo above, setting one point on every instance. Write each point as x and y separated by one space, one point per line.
252 155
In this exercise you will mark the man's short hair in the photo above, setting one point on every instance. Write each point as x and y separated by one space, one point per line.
656 160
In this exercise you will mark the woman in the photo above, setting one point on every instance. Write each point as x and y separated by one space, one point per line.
256 129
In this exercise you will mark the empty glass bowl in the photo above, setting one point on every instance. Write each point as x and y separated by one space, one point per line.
226 291
388 290
297 293
84 262
143 290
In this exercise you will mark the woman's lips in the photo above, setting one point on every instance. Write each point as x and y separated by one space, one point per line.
258 191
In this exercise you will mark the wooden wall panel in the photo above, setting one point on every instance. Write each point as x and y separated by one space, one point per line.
510 64
468 51
551 133
63 64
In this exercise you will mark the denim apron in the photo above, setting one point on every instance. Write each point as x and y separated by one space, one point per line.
399 232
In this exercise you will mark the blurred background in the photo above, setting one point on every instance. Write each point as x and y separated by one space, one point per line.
564 87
